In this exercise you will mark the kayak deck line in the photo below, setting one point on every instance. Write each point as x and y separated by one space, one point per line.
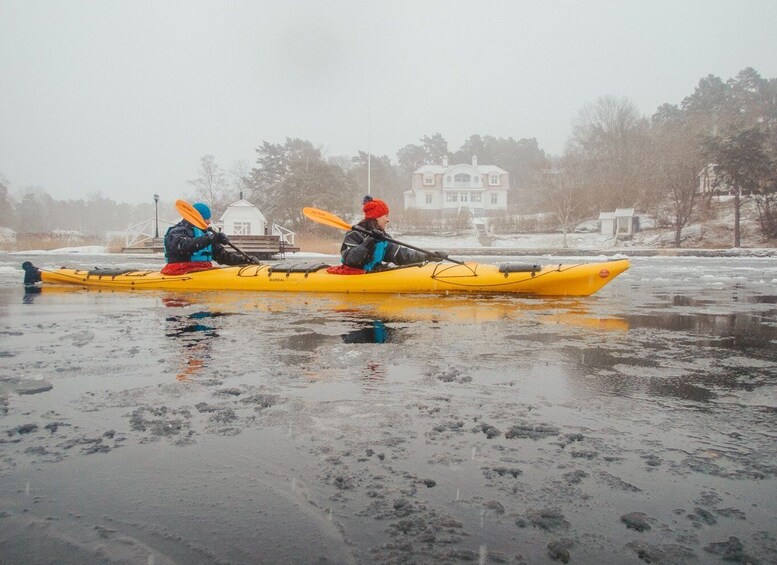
577 279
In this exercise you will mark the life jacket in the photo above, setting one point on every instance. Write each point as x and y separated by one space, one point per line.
204 254
377 255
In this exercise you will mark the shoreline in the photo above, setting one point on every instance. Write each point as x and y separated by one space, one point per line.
621 251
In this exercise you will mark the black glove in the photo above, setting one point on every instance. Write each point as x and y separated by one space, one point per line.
220 237
255 260
436 256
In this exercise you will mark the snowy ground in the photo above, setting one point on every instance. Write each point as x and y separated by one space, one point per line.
715 232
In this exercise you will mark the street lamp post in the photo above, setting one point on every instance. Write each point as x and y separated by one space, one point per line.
156 216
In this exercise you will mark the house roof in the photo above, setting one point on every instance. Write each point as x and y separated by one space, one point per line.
441 170
436 169
619 213
242 206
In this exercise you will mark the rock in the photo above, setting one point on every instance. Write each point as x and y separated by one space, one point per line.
636 521
557 551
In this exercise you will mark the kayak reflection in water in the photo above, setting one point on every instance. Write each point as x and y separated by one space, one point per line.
376 332
192 335
30 293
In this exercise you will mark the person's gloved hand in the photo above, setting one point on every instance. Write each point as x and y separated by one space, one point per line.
220 237
437 256
255 260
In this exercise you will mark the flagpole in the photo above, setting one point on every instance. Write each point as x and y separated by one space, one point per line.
369 145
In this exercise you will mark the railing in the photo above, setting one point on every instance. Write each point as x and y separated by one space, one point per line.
285 235
144 231
135 236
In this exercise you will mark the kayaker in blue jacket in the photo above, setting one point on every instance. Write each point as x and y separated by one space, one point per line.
362 251
188 248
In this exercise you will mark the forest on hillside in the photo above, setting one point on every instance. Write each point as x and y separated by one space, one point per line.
614 157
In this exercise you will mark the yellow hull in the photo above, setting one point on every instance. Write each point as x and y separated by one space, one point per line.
581 279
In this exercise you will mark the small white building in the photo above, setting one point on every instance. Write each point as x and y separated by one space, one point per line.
619 223
477 188
243 218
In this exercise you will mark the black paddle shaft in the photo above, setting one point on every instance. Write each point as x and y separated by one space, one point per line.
379 235
236 248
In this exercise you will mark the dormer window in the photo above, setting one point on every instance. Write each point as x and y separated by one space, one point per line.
428 180
493 180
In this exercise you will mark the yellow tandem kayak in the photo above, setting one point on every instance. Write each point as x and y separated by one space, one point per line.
580 279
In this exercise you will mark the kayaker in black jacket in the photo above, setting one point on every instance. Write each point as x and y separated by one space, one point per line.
188 248
363 251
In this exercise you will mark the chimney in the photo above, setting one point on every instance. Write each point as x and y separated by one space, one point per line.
445 161
474 160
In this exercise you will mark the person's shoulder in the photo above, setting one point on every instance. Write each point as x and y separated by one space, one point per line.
182 226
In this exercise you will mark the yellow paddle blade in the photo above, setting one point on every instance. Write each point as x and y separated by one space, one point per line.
326 218
190 214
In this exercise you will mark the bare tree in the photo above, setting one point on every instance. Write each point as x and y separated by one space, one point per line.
210 184
7 214
609 139
240 179
677 162
563 194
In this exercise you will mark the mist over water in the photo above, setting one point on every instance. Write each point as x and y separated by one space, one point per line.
635 425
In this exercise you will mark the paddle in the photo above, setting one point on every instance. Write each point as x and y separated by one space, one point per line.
193 216
328 219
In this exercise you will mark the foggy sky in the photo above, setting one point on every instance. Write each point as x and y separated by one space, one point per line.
125 97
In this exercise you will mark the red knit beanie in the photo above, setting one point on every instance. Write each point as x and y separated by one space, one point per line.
374 208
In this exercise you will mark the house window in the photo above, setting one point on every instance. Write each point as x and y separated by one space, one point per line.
452 197
494 199
493 180
465 196
476 197
428 198
461 178
242 228
428 180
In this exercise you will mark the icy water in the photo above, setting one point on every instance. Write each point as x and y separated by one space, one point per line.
637 425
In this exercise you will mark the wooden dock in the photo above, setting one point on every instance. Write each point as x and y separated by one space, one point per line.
261 246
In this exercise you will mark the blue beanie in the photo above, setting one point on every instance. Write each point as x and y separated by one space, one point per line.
202 209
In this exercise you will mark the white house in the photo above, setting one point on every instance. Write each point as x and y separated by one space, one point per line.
478 188
243 218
